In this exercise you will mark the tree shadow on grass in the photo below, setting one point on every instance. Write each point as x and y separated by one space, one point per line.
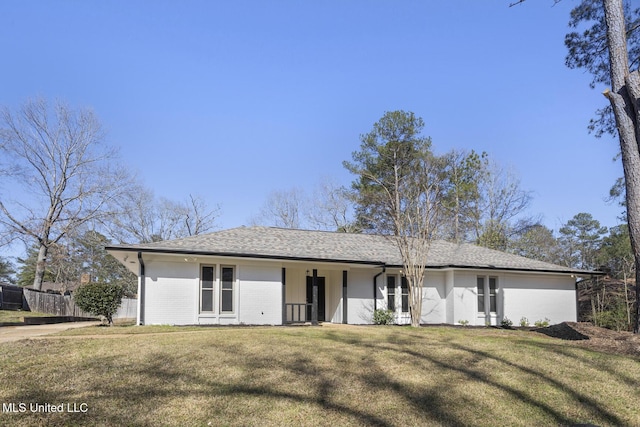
321 382
468 371
577 354
322 387
162 378
159 386
582 398
435 403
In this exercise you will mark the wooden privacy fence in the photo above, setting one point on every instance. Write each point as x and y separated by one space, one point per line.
63 305
10 297
55 304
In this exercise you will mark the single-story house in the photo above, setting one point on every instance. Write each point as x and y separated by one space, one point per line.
274 276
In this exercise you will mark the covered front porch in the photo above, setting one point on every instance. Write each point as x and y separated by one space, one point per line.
313 294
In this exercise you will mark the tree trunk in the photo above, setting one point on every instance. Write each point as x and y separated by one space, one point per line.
41 265
626 299
415 296
457 236
624 95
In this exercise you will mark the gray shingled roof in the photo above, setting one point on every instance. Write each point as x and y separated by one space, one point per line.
280 243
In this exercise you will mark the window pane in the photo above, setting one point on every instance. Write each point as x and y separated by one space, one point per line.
391 293
405 303
226 293
405 295
207 300
227 300
481 294
207 277
492 294
227 277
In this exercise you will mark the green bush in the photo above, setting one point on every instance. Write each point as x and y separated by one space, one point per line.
615 318
506 322
524 322
464 322
542 323
383 317
99 299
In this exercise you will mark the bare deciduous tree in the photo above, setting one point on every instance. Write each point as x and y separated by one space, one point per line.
62 174
417 222
138 219
283 208
145 218
399 192
330 208
198 217
501 202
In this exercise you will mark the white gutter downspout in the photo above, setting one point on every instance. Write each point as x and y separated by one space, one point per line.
375 288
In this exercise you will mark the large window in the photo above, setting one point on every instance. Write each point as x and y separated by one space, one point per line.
481 295
492 294
226 289
487 294
207 280
391 293
405 294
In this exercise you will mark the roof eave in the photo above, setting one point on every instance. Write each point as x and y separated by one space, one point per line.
532 270
346 261
242 255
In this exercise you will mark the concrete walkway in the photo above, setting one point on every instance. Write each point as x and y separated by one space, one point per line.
16 333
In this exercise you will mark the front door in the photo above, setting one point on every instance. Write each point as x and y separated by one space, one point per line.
320 297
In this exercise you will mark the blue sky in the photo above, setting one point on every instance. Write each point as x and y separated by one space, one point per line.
232 100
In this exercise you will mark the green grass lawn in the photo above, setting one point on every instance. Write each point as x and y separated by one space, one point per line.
328 375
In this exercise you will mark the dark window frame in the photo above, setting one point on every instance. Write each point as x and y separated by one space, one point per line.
493 294
480 289
207 293
227 287
487 288
391 293
404 289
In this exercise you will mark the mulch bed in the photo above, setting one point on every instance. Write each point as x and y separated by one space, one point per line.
593 337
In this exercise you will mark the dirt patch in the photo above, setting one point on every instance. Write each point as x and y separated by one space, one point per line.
593 337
